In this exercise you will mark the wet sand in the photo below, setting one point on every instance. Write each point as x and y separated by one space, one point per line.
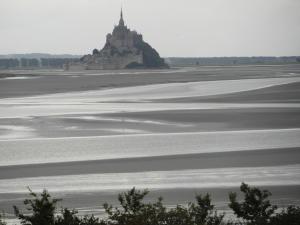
167 121
63 81
49 150
84 113
252 133
257 158
278 93
221 119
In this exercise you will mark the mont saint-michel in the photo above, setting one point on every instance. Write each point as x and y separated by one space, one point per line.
210 137
124 49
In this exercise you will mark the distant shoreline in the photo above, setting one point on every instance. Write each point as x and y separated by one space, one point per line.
49 61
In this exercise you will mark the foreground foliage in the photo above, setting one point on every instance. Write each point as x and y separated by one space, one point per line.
2 222
42 208
255 208
133 211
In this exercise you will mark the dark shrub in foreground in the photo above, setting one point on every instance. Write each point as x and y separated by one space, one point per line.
254 209
288 216
42 208
134 212
1 221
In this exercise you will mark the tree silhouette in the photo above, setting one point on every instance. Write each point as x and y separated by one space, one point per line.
2 222
42 208
256 209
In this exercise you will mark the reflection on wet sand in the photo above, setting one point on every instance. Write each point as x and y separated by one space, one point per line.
84 134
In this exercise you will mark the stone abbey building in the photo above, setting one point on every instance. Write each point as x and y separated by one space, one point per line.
124 49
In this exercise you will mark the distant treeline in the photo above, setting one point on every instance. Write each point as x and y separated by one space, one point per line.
216 61
34 63
253 208
15 62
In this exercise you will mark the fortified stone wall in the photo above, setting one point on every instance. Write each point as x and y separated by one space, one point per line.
114 62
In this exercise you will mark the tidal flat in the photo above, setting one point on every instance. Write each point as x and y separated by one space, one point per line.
85 136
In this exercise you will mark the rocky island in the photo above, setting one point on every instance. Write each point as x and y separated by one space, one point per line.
124 49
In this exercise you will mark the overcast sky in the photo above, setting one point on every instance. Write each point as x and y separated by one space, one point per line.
174 27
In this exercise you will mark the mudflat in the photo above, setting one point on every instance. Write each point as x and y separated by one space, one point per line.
88 135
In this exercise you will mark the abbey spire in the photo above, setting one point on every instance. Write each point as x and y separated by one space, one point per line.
121 22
